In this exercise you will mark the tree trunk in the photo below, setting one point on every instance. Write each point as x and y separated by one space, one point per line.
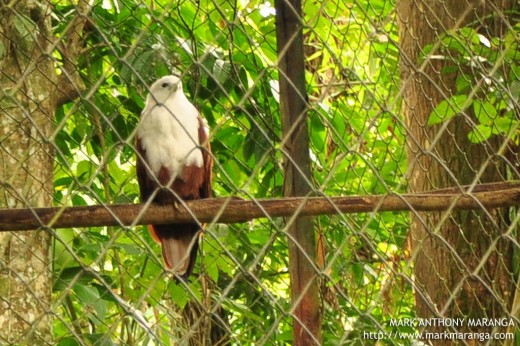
463 267
297 174
26 169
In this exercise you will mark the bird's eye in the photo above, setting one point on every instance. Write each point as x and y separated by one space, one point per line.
165 85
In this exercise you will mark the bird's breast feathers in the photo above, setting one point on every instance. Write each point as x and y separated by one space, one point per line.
169 134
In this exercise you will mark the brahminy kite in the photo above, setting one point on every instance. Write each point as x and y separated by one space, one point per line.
173 163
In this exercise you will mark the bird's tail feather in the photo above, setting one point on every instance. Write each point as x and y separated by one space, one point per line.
179 246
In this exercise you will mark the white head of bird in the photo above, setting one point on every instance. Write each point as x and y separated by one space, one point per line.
165 88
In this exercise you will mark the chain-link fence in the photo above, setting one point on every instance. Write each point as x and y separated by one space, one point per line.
407 97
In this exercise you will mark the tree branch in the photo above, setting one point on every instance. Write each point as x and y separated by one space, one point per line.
234 210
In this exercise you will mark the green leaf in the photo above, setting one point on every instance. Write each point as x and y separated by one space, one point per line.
480 133
88 296
62 257
100 339
256 144
358 273
179 295
78 200
71 276
318 135
448 108
484 111
212 271
68 342
85 169
221 71
505 124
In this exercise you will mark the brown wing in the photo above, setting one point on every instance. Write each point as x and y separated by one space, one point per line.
146 186
205 188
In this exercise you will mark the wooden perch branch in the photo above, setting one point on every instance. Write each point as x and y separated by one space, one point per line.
233 210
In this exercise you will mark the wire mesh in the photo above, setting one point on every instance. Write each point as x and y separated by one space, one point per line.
393 106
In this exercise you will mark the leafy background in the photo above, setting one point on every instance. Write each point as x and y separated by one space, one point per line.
110 287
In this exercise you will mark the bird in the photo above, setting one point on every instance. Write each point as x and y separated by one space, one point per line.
174 163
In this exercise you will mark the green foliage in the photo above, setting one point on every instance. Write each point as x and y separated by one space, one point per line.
110 286
488 85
